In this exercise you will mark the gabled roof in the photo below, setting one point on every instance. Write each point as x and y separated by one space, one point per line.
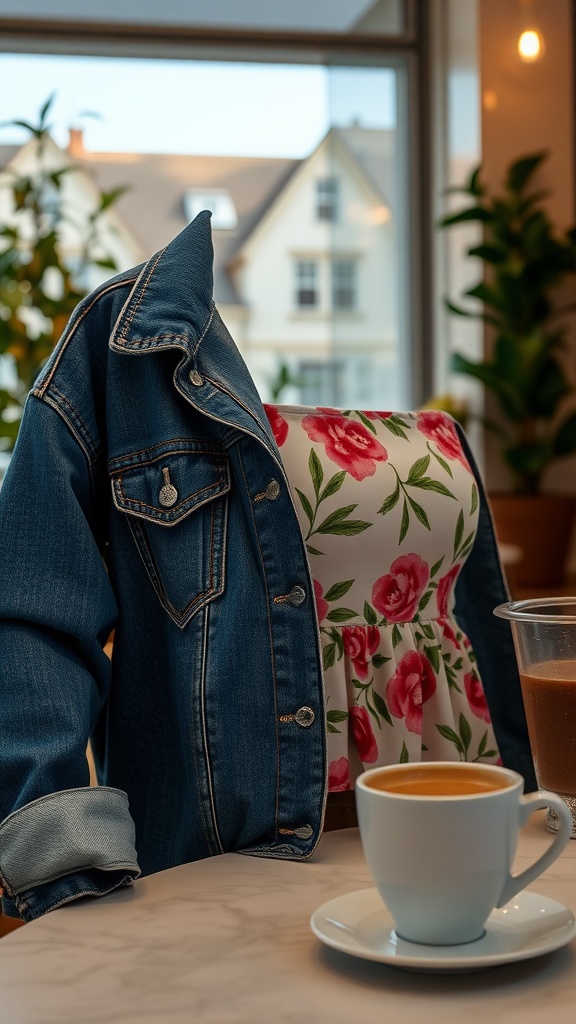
152 208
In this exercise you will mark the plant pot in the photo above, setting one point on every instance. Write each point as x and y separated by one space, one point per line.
541 526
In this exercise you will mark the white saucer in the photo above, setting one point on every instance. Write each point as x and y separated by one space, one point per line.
528 926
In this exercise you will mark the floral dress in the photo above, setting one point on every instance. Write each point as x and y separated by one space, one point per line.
388 507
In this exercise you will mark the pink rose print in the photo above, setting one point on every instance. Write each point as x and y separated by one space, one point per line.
396 595
377 415
448 632
348 443
440 429
445 586
359 721
339 775
360 642
278 423
321 604
412 684
476 697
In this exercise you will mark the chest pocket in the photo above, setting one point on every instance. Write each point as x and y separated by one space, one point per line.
176 506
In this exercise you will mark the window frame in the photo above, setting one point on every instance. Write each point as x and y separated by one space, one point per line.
411 48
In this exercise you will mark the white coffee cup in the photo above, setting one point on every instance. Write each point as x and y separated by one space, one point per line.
440 838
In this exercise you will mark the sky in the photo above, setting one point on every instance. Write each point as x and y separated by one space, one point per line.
175 106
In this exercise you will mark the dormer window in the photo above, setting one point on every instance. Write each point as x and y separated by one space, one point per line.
220 204
327 199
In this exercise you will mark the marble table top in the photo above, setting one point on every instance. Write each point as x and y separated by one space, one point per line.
227 941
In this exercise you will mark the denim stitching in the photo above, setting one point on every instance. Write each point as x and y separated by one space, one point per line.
204 330
66 404
78 438
66 338
126 881
271 642
130 314
188 504
180 617
164 450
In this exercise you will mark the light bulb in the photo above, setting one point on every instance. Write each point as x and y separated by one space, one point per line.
530 45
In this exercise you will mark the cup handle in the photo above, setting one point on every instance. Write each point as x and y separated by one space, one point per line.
529 803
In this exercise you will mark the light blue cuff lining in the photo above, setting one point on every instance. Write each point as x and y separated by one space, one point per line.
66 832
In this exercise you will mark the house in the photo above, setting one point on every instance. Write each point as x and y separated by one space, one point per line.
304 251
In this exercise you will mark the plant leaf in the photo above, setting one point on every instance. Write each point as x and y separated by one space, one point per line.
381 708
427 484
474 500
328 656
336 716
459 531
418 469
436 566
405 522
338 590
316 471
390 501
449 734
306 506
341 615
465 732
370 615
419 512
333 485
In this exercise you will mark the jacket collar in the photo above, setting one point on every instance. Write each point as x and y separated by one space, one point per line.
171 306
171 301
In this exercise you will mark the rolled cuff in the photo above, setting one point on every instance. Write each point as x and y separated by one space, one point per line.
67 832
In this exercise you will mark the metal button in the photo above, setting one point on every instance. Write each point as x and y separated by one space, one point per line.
272 491
304 717
304 832
196 378
297 596
168 494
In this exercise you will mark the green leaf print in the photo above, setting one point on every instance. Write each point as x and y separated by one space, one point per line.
423 602
483 744
348 528
405 522
313 551
316 471
465 733
380 705
338 590
427 630
396 426
433 655
450 735
440 460
418 469
459 532
334 484
306 506
474 500
341 615
329 656
419 512
335 517
404 755
336 716
370 614
391 501
396 635
436 567
427 484
379 659
366 421
467 546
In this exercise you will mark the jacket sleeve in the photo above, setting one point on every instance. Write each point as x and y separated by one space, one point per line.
480 587
59 837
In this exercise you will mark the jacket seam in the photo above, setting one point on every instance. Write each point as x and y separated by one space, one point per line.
131 313
207 491
121 463
66 338
271 642
204 330
91 462
66 404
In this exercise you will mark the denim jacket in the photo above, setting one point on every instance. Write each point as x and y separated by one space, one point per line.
146 494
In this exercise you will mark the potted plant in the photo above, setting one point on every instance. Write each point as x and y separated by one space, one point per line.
524 260
42 275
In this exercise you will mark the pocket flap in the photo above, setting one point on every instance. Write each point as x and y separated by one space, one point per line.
167 488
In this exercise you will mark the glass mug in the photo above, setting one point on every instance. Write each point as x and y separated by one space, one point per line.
544 634
440 838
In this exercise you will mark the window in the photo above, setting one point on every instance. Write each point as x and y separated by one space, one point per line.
344 285
220 204
321 383
327 199
307 290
